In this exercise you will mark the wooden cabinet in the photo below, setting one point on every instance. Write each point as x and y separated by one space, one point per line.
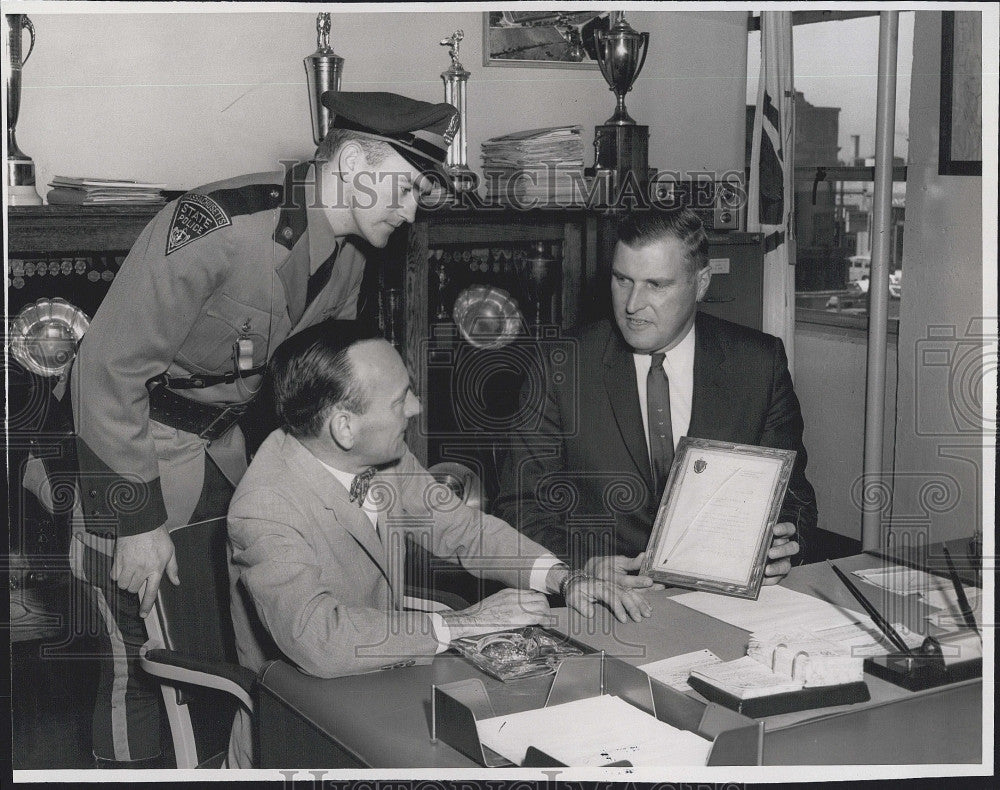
74 252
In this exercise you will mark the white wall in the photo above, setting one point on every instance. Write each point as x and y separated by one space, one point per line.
187 98
939 471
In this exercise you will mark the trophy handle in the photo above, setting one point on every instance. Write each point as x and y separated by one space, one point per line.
645 49
31 32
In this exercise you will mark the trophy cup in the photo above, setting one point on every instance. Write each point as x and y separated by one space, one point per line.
620 145
324 69
455 79
20 168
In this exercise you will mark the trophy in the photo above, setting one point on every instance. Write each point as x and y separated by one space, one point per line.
455 79
620 145
324 69
20 168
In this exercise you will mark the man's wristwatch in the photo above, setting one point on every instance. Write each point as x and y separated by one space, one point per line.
569 578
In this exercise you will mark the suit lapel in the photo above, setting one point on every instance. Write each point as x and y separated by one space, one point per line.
711 397
623 395
336 500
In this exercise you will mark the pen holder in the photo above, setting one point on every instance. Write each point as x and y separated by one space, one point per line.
948 659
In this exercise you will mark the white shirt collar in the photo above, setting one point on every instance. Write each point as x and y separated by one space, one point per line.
346 479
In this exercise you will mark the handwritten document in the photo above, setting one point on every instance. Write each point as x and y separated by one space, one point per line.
717 515
596 731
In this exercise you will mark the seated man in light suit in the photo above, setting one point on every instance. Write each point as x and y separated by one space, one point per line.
317 528
598 436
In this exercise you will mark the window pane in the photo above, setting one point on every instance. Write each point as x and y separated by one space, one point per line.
836 76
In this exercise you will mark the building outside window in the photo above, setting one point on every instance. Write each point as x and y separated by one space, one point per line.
835 74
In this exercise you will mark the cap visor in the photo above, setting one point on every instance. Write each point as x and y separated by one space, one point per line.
433 170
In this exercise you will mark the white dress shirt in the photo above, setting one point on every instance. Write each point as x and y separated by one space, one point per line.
539 571
679 367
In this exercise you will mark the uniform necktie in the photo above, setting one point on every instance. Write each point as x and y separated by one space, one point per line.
319 278
360 484
661 434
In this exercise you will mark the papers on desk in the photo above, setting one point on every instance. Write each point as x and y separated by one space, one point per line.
865 640
776 607
674 671
779 608
596 731
902 580
949 615
935 591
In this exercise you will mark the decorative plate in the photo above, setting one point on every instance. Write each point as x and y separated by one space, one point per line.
44 336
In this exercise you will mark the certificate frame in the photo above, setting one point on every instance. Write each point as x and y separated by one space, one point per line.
675 528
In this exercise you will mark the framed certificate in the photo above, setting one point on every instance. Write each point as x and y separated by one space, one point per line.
713 528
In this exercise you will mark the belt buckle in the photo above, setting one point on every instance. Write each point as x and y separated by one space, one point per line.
223 417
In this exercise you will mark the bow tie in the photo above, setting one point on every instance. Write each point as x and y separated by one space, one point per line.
359 486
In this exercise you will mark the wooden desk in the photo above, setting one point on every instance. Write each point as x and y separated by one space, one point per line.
382 720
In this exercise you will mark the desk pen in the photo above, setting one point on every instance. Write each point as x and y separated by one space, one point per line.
884 625
963 601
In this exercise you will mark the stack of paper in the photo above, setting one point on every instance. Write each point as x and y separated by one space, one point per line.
536 166
67 190
779 608
597 731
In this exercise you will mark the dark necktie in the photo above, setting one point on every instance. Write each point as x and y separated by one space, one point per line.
359 486
319 278
661 434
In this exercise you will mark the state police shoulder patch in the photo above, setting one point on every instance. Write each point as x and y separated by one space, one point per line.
195 216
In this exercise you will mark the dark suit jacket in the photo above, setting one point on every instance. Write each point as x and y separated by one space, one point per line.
579 481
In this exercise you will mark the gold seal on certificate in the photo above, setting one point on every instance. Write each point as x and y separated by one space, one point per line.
713 528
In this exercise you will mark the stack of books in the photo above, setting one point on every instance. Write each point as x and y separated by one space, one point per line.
536 167
67 190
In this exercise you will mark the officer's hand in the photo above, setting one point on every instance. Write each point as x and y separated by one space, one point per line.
783 548
618 569
140 561
586 593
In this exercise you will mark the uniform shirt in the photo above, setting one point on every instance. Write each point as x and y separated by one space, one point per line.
679 367
224 262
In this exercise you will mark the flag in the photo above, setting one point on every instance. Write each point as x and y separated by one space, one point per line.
770 208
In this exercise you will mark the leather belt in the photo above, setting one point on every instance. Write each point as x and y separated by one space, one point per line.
207 421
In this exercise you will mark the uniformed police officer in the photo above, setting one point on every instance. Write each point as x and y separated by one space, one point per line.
175 354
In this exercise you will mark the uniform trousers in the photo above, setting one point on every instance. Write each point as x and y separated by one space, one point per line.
126 722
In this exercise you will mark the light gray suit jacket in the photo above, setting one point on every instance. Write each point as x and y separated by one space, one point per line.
312 580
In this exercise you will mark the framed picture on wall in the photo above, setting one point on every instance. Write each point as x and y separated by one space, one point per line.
961 135
542 38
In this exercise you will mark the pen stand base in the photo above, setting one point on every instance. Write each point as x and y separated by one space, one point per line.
919 673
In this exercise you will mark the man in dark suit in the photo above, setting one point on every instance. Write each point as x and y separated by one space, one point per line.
588 479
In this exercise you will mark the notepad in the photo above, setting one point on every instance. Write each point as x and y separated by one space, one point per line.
674 671
746 678
596 731
782 661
